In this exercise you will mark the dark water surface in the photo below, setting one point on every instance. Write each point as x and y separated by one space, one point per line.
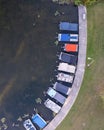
28 56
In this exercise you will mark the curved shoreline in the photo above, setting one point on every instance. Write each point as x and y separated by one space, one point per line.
79 72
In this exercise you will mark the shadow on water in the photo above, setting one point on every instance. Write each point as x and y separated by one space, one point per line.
28 56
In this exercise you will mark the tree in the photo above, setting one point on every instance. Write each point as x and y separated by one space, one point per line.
78 2
89 2
85 2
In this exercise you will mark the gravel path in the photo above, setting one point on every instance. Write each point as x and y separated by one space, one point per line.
79 73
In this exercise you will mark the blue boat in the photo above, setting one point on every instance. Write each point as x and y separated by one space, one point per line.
66 26
37 119
67 37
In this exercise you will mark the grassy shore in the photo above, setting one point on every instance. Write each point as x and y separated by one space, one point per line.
88 110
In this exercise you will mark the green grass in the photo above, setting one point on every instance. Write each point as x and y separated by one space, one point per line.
88 111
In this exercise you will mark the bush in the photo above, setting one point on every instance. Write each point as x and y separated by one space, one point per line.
85 2
63 1
78 2
89 2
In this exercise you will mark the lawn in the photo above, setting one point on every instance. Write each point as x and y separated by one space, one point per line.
88 111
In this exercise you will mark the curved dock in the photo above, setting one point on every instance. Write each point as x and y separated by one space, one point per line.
79 72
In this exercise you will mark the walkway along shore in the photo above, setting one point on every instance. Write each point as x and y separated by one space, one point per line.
79 72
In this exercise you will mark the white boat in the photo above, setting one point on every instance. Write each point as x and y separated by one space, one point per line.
65 77
66 68
29 125
52 106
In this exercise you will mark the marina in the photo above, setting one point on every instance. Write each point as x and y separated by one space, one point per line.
37 103
58 93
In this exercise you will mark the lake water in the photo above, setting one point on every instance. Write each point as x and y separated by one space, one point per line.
28 30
